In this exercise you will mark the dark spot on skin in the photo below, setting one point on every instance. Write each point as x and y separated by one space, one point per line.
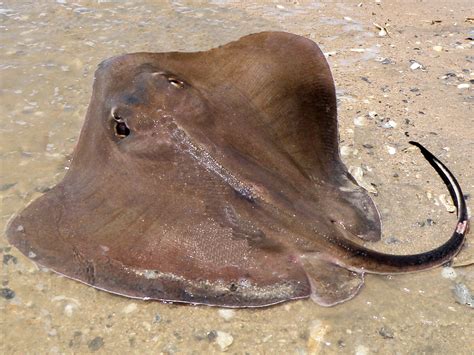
7 293
131 100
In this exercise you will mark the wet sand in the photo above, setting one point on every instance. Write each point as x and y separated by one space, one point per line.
413 84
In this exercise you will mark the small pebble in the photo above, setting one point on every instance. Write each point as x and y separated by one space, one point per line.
317 331
391 150
437 48
147 326
132 307
447 204
361 350
7 258
211 336
415 66
392 240
373 114
463 295
330 54
95 344
389 124
227 314
345 150
360 121
386 333
69 309
464 86
358 174
448 273
7 293
223 340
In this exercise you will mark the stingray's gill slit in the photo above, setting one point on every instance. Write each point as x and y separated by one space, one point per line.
120 127
366 260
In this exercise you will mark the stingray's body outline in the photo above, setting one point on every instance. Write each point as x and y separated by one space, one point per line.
215 178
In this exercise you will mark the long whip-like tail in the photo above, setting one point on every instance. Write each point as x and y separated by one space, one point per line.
366 260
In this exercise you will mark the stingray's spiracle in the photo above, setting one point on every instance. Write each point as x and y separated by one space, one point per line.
120 126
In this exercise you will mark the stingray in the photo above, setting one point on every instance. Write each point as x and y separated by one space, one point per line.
215 178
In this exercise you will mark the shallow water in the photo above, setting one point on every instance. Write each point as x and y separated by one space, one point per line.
48 57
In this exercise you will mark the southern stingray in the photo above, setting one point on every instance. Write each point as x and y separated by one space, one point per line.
215 178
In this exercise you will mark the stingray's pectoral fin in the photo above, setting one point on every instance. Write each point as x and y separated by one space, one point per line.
331 284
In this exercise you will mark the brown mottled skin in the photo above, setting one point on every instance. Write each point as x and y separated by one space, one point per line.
214 178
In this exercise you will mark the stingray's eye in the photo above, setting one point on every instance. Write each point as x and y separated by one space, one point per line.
171 79
176 83
120 127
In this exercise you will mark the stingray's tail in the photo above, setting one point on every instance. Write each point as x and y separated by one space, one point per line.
363 259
